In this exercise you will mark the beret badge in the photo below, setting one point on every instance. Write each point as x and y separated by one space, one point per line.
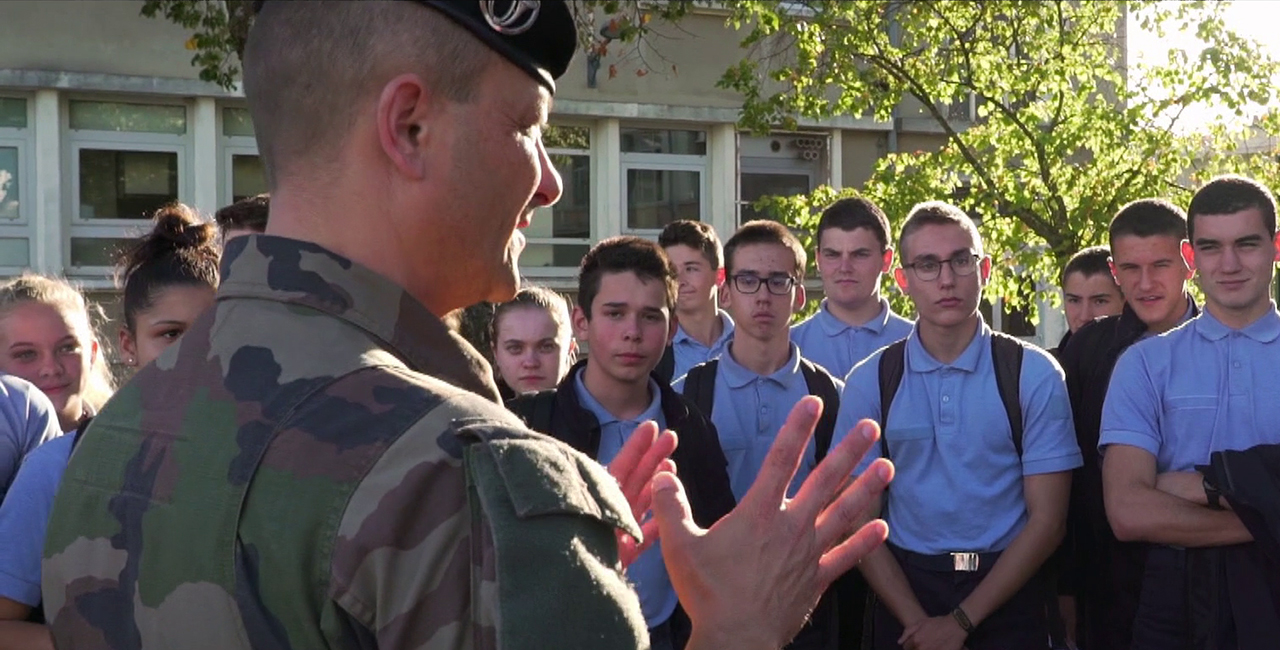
517 16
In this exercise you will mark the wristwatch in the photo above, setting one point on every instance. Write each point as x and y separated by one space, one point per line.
1212 494
963 619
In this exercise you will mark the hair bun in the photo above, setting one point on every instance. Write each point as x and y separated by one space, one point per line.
179 226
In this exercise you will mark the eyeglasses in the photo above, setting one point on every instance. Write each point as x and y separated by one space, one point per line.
930 269
779 284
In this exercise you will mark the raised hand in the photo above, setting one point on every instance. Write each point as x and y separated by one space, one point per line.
754 577
645 454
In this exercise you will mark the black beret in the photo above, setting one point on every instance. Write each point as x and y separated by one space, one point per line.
538 36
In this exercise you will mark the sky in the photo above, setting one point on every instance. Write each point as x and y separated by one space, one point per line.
1256 19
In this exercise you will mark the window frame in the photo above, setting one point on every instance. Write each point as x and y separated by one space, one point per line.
229 146
628 161
593 227
22 139
77 140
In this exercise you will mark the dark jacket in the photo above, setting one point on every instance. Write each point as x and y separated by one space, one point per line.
1234 591
1107 572
700 460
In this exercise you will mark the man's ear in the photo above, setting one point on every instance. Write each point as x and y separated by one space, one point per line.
886 261
984 267
1189 256
580 323
404 107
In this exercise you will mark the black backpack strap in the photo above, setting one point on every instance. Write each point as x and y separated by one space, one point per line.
1006 356
700 386
536 410
820 383
667 365
893 362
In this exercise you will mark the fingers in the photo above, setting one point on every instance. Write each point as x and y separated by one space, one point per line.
660 449
650 531
849 553
847 510
828 477
671 512
779 467
644 501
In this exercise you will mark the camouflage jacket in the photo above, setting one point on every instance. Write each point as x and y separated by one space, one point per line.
320 463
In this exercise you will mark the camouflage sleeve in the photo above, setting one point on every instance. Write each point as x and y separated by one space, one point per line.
464 530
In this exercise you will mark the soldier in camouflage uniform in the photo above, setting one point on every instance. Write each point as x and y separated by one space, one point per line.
319 463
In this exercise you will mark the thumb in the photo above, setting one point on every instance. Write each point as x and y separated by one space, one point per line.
671 509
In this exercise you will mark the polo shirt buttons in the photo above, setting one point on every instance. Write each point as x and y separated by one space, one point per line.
946 399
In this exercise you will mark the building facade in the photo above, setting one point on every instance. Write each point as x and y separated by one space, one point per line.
103 118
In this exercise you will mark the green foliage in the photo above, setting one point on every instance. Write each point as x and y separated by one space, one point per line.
1064 135
219 30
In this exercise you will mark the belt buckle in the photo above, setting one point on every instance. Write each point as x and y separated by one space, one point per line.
965 562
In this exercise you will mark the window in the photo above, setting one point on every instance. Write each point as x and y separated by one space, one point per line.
16 186
778 165
243 174
663 177
127 160
561 235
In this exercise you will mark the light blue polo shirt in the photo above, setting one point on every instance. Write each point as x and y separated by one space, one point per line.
1199 388
839 346
24 517
27 420
748 411
657 596
689 352
959 478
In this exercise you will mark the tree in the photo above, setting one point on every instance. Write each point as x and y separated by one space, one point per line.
1065 132
220 29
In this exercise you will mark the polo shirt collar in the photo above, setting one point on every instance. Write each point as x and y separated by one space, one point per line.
919 359
1264 330
738 376
682 336
603 416
834 326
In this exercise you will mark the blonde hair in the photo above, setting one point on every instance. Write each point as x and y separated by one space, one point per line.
60 294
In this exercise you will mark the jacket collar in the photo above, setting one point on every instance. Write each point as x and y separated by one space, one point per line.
293 272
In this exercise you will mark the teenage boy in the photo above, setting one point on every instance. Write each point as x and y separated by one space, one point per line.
853 320
1175 399
626 291
1103 574
1089 290
748 390
702 328
979 427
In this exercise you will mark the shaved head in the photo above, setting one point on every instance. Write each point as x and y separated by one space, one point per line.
311 67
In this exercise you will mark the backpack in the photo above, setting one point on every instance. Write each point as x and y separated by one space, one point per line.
700 388
536 409
667 365
1006 356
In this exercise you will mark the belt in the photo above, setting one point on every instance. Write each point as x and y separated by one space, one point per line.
961 562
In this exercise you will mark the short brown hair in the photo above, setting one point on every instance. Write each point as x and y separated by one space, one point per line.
624 255
247 213
696 235
1148 218
936 213
1091 261
852 213
763 231
1229 195
308 65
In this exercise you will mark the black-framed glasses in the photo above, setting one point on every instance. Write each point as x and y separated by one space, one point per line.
779 284
930 269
